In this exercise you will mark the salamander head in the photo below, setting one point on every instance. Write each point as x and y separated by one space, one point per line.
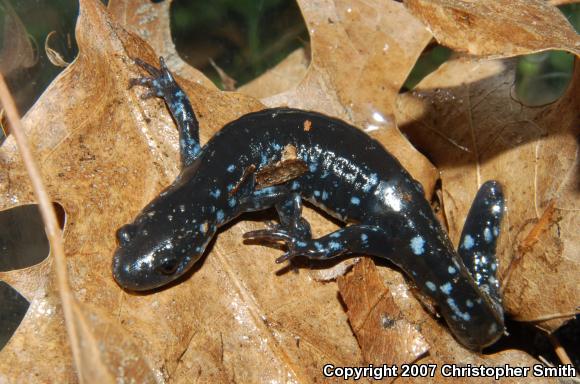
161 244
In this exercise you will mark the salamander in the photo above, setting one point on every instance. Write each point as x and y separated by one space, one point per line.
345 173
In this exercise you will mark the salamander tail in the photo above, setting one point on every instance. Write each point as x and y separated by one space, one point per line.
477 247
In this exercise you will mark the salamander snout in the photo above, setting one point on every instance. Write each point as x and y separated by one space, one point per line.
157 248
140 265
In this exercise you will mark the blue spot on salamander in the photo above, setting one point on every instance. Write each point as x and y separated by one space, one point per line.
462 315
371 182
355 200
446 288
487 235
334 246
418 245
468 242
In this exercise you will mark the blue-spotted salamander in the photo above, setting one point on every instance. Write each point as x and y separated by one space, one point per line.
347 174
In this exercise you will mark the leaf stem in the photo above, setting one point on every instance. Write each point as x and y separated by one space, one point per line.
53 231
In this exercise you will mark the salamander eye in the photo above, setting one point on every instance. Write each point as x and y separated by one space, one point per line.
168 266
125 234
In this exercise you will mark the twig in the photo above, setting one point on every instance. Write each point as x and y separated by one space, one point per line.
52 228
553 316
560 351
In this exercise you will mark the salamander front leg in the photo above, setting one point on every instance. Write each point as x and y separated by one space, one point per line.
161 84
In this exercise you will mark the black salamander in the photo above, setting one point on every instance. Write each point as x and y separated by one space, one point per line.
347 174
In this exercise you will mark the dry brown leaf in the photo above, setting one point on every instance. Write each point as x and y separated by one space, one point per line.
499 28
53 56
285 75
465 117
150 21
382 332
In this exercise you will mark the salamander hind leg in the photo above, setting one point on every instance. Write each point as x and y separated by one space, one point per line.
161 84
477 247
293 228
352 239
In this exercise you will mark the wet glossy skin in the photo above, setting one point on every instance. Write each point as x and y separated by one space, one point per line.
349 175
